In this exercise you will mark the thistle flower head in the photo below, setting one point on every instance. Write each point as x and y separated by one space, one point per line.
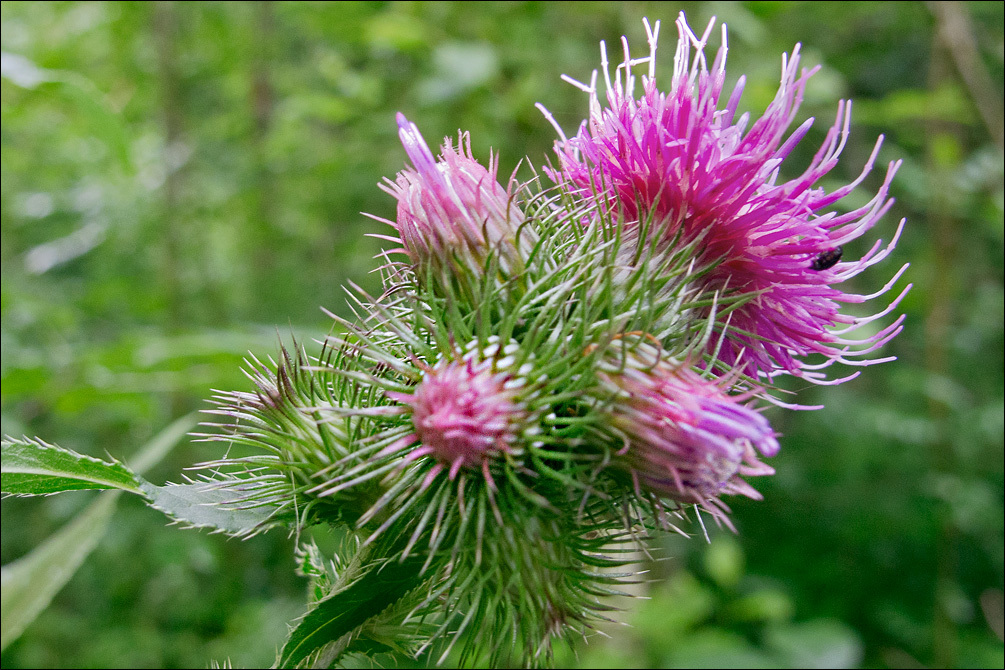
685 163
454 207
466 411
685 438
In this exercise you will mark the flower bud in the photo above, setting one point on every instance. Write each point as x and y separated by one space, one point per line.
453 212
467 411
685 438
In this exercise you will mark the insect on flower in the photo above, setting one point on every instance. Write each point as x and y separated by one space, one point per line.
827 259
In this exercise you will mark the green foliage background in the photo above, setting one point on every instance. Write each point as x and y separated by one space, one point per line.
180 178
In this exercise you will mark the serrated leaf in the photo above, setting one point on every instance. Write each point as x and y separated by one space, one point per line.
207 505
348 608
32 467
30 583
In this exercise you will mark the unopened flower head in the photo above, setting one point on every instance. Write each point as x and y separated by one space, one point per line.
453 207
685 438
685 165
467 411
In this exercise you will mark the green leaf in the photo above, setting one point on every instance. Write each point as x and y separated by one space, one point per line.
30 583
349 607
31 467
208 505
819 643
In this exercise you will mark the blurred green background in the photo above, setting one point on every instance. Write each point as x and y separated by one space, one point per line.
182 183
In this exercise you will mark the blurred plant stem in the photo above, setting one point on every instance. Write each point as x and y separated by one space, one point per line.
165 31
956 35
942 142
262 108
165 25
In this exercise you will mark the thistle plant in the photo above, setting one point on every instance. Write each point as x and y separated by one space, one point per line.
554 370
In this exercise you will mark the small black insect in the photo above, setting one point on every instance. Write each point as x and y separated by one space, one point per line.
827 259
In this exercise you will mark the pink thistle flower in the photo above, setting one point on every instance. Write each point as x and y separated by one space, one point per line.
685 438
702 176
453 206
464 413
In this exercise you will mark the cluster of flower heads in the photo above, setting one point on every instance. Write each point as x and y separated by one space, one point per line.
552 367
679 174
